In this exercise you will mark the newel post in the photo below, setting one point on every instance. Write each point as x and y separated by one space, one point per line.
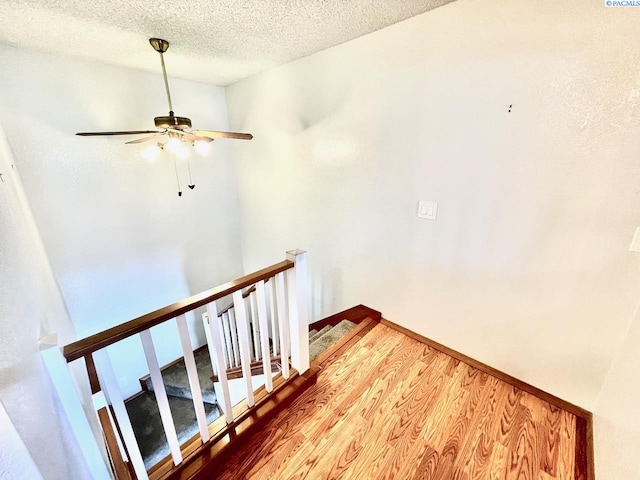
76 419
298 296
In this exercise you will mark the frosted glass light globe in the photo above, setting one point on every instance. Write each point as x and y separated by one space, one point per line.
174 145
203 148
150 154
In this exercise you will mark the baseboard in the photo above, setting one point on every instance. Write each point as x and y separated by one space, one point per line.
584 464
355 314
583 460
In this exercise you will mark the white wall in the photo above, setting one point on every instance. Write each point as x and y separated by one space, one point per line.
526 267
120 240
616 419
15 461
30 307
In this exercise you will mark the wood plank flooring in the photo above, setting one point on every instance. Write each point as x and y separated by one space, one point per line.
393 408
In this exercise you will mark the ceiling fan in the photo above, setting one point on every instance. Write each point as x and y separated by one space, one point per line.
177 130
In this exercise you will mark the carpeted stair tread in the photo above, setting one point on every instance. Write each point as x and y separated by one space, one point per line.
176 380
317 335
329 338
312 333
147 425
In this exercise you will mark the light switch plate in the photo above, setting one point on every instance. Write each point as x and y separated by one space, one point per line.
428 210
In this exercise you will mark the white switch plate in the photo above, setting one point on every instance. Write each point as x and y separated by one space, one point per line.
428 210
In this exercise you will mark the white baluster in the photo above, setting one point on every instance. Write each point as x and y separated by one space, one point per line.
264 335
283 323
271 287
255 325
234 337
218 351
228 347
207 332
192 373
298 291
111 389
243 338
161 396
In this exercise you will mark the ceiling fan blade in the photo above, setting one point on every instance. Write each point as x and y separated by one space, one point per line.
196 138
129 132
144 139
190 136
212 134
184 133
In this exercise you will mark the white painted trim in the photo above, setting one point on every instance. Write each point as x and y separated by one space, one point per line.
228 346
271 297
63 384
111 389
161 396
216 342
234 336
283 323
255 325
245 348
264 335
192 373
207 333
298 289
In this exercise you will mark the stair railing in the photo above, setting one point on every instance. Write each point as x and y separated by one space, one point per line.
279 299
227 321
261 344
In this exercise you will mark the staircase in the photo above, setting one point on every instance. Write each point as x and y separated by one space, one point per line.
147 425
143 409
320 341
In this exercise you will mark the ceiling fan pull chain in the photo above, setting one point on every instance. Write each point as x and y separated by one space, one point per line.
191 184
175 166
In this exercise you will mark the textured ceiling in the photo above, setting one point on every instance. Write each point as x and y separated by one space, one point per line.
217 42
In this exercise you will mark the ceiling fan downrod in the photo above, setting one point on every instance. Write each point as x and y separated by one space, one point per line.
175 128
161 46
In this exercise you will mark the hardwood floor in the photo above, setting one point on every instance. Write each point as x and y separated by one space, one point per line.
391 407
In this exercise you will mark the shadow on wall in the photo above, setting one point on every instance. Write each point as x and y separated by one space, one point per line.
205 266
325 294
30 306
617 423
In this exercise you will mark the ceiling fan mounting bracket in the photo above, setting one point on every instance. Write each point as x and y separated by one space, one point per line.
159 45
180 123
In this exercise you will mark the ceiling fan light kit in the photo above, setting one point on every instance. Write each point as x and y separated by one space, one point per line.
150 154
174 134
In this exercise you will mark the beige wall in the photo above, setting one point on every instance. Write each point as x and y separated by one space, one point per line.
526 267
30 307
616 419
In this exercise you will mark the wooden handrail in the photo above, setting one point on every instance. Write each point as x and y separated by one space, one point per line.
90 344
230 306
